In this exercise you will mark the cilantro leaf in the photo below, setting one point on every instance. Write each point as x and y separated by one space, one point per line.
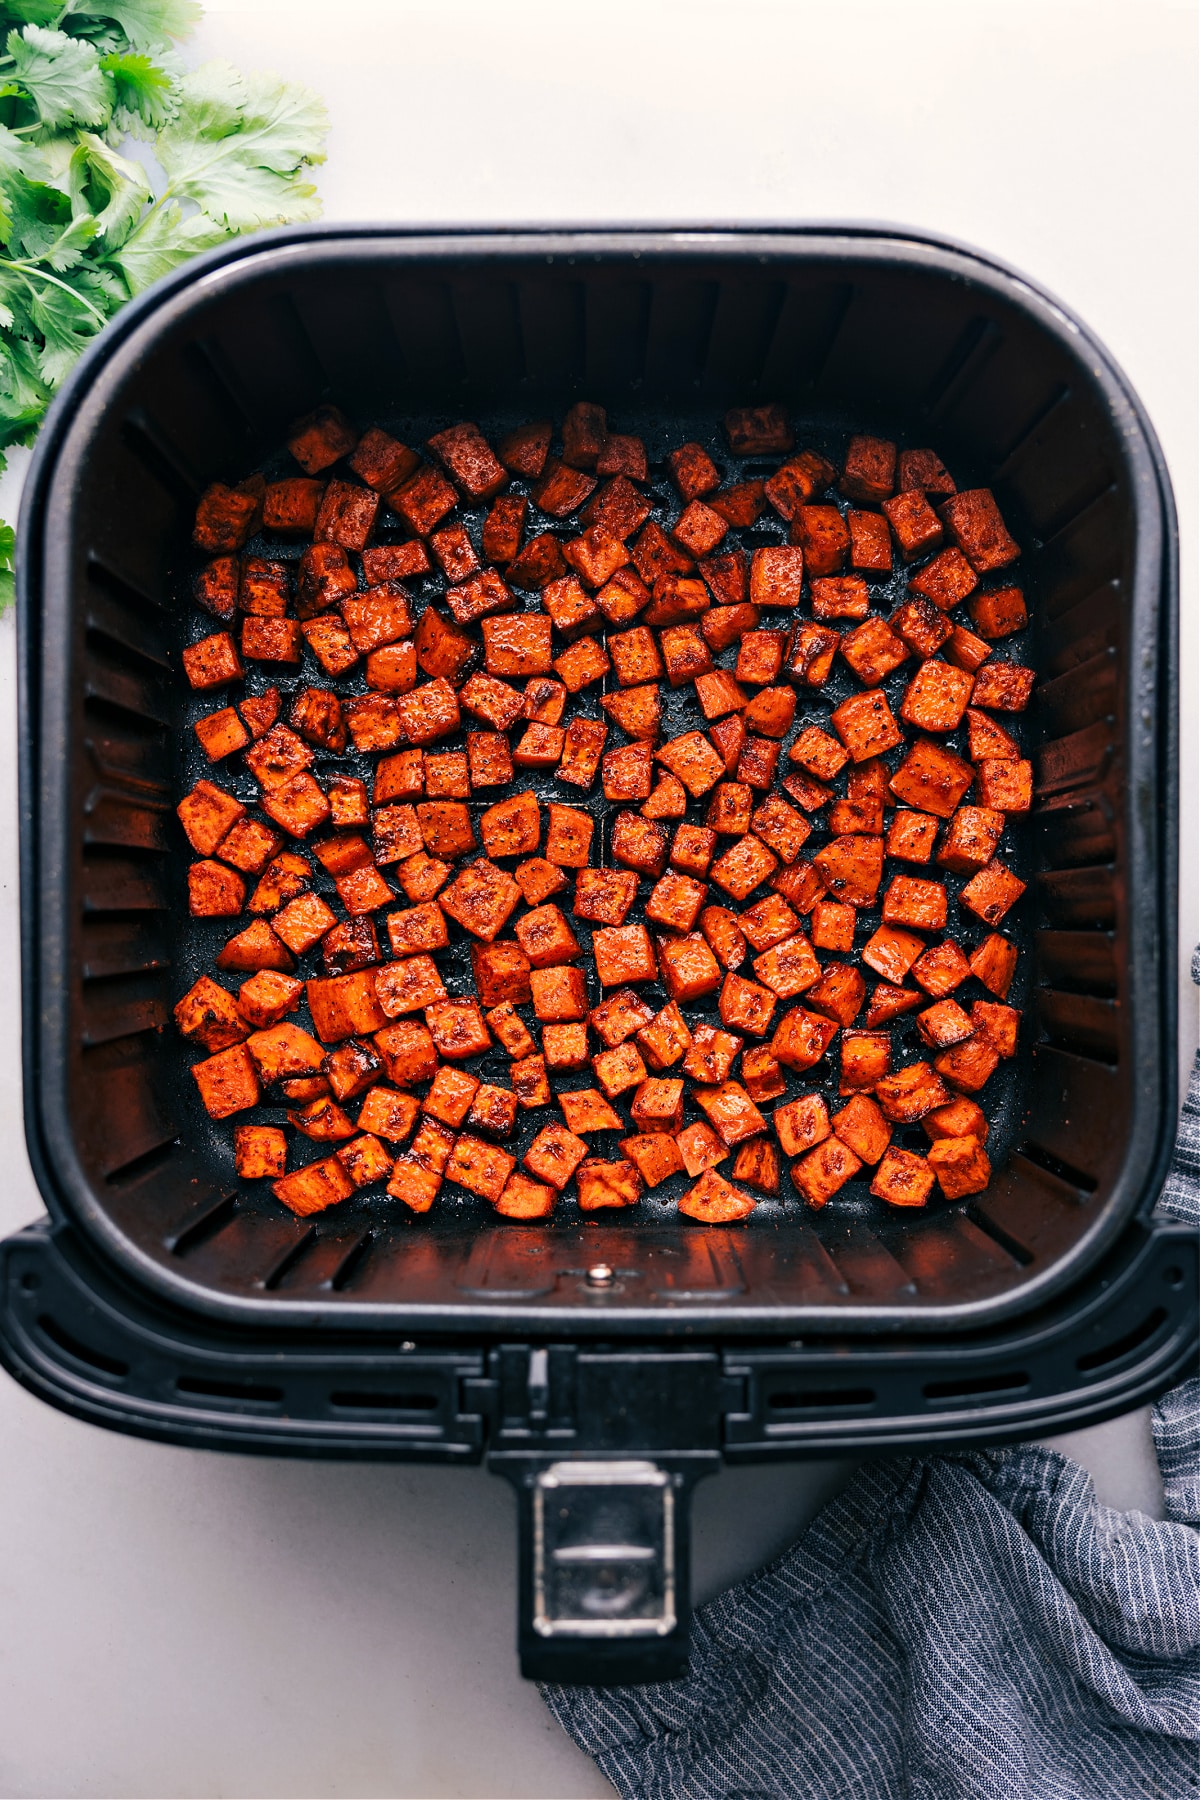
145 91
61 75
239 146
8 544
148 22
108 188
160 242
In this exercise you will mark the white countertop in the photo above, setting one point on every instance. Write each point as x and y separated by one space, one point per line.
179 1624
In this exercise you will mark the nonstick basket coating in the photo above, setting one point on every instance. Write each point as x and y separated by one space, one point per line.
870 331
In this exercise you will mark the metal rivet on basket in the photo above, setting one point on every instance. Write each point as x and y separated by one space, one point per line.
601 1275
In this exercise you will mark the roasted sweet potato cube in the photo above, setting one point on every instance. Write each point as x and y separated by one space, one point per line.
1003 686
596 555
692 849
727 578
932 779
821 533
699 529
723 935
382 461
488 759
873 650
554 1155
675 901
944 1024
561 490
260 1152
255 948
445 827
346 516
760 657
617 508
618 1069
317 1186
960 1165
677 599
345 1006
888 1003
666 1039
916 903
745 1006
221 733
584 434
227 1082
974 834
965 650
769 921
744 867
758 430
450 1096
789 968
588 1110
925 470
689 968
619 1016
214 891
968 1064
849 816
627 773
761 1074
418 928
728 738
569 607
801 1124
797 481
994 964
604 896
624 954
379 617
729 809
839 994
635 656
997 1024
658 1106
920 626
840 597
423 500
851 868
480 1167
303 922
693 470
667 800
941 969
212 662
209 1015
622 455
397 834
468 458
565 1046
408 985
365 1161
991 893
350 946
639 844
959 1118
285 1050
870 542
415 1182
869 474
1005 786
713 1201
700 1147
583 747
481 899
866 1059
801 1038
910 1093
740 504
987 739
447 777
538 880
655 1155
771 712
694 761
457 1028
903 1178
892 953
780 827
638 711
718 693
862 1127
911 835
546 937
409 1052
225 517
285 876
352 1067
510 1031
936 697
947 580
559 994
974 522
321 438
525 450
539 563
290 507
776 574
517 644
316 714
865 725
525 1199
999 613
915 526
260 711
757 1164
833 925
825 1170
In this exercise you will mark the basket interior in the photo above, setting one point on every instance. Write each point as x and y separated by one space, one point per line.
862 335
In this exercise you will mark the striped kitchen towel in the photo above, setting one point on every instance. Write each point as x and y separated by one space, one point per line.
958 1627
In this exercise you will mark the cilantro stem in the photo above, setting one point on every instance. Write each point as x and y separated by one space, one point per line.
29 269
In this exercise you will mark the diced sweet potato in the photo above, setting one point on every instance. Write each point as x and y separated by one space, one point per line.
221 734
769 921
888 1003
314 1188
771 712
761 1074
397 833
869 473
352 1067
699 529
892 953
713 1201
225 517
925 470
667 800
604 896
991 893
622 455
1003 686
941 969
538 880
915 526
801 1038
974 522
583 747
365 1161
408 985
965 650
559 993
588 1110
728 739
346 515
744 867
910 1093
285 876
260 711
260 1152
825 1170
932 779
488 759
865 725
409 1051
947 580
920 626
480 1167
601 1184
303 922
760 657
789 968
627 773
227 1082
852 868
481 899
398 777
255 948
839 994
801 1124
450 1096
1005 786
655 1155
700 1147
350 946
565 1046
777 571
870 542
758 430
860 1125
960 1118
903 1178
960 1165
780 827
718 693
820 531
677 600
290 507
999 613
943 1024
994 964
445 827
214 891
416 929
745 1006
911 835
675 901
209 1015
729 809
866 1059
525 450
345 1006
212 662
723 935
833 925
913 902
624 955
873 650
446 777
639 844
968 1065
509 1030
987 739
635 656
974 834
936 697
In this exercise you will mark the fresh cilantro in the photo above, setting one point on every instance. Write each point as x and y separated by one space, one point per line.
81 230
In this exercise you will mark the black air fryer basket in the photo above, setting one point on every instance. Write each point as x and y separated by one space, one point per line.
602 1368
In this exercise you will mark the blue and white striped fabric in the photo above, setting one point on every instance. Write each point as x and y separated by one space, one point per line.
959 1627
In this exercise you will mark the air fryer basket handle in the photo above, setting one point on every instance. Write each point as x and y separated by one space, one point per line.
605 1564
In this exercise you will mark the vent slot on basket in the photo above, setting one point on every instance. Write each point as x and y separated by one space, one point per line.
973 1387
1123 1346
87 1354
242 1393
